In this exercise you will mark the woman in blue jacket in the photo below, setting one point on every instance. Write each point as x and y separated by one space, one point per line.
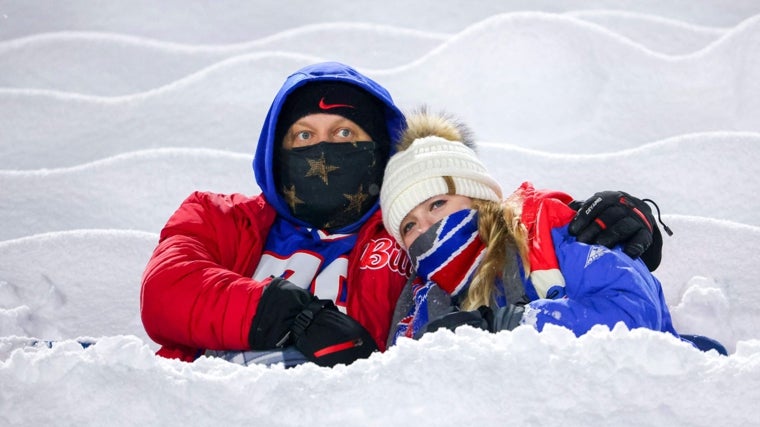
497 263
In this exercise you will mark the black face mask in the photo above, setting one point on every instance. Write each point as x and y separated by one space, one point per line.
331 185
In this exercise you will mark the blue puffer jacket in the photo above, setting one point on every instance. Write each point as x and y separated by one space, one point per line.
602 286
577 285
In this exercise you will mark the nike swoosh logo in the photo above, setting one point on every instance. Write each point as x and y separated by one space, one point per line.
325 106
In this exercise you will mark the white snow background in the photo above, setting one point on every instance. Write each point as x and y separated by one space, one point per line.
111 113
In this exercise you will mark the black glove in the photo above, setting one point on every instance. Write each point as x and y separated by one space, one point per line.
289 315
610 218
505 318
454 319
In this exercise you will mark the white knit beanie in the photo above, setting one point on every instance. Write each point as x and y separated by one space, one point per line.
421 172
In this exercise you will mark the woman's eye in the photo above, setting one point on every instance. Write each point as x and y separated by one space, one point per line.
406 228
437 204
344 133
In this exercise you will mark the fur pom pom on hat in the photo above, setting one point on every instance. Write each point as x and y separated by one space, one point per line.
435 156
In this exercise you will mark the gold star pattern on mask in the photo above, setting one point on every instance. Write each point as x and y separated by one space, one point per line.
320 168
356 200
290 197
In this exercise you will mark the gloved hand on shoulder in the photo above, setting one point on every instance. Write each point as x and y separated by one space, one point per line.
610 218
289 315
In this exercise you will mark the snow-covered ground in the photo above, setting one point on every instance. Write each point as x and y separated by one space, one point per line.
111 113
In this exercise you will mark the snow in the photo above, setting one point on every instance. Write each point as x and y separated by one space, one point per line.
112 113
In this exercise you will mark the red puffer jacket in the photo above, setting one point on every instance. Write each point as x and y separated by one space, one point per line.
197 291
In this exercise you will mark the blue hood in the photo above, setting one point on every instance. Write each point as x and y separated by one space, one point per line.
263 160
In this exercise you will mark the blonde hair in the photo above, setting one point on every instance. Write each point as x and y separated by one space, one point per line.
503 233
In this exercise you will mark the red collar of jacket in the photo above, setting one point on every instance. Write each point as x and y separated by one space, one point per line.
542 212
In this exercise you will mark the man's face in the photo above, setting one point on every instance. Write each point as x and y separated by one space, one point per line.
316 128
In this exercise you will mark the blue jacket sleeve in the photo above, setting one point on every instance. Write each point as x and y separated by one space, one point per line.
602 286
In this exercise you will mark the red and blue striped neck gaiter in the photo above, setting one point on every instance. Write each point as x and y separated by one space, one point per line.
449 252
